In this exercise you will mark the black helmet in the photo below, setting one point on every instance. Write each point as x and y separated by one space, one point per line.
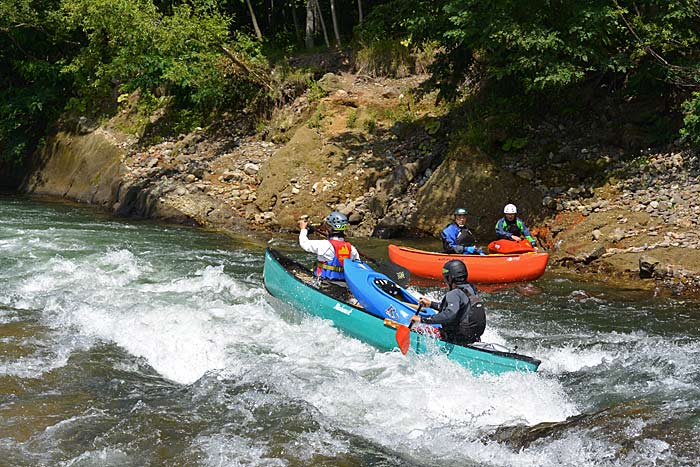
460 212
455 271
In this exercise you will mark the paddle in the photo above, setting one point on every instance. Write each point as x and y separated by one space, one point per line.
397 273
403 334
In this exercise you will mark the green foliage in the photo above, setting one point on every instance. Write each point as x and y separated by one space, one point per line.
432 126
370 123
193 55
384 58
32 91
316 120
316 92
546 48
352 118
691 110
514 144
411 21
132 46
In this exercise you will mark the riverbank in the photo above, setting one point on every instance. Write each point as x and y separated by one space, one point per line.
370 149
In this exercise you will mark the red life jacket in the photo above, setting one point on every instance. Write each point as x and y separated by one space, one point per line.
334 269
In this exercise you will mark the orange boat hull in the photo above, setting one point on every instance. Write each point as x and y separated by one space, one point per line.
488 269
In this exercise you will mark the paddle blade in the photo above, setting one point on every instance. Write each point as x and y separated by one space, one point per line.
397 273
403 338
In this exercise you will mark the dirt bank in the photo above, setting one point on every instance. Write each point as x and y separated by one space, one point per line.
368 148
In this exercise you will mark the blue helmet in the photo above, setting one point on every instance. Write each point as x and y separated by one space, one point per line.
337 220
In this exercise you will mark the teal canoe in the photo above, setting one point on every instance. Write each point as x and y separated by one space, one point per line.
293 283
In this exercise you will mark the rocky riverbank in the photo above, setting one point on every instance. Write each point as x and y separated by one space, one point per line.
644 222
370 150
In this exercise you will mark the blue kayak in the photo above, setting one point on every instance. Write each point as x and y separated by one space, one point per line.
293 283
380 295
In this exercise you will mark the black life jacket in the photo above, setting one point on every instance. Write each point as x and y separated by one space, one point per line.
471 320
514 227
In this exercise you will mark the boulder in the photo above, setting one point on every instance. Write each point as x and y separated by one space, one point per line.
647 266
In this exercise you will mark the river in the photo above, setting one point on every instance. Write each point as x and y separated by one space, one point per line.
129 343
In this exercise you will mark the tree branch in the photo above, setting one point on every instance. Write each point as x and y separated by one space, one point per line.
687 76
243 67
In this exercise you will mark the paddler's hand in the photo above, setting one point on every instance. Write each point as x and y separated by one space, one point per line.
303 223
425 302
415 319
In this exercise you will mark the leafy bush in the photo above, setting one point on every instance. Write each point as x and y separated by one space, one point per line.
352 118
384 58
691 109
33 92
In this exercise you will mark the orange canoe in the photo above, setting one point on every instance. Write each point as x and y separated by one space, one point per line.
488 269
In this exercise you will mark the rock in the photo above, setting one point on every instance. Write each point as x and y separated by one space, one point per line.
388 227
390 93
549 202
647 266
330 82
526 174
617 235
251 169
355 218
592 255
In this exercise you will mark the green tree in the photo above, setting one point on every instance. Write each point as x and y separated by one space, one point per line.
32 90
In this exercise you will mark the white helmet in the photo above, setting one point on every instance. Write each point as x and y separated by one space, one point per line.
510 209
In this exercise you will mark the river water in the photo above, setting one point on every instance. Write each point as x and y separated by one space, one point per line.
130 343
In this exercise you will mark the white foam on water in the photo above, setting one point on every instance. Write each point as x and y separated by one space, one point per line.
234 451
211 279
172 323
182 341
425 407
104 457
107 271
43 359
403 403
572 357
180 327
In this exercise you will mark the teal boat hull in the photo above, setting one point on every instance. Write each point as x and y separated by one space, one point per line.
288 281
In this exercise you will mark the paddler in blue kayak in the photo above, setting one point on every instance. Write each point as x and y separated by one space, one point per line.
330 253
457 238
461 312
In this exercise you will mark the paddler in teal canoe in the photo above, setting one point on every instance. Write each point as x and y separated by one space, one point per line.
330 253
457 238
461 312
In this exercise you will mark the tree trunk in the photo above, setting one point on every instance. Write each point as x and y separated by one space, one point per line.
255 20
297 28
271 16
335 24
323 24
309 24
359 9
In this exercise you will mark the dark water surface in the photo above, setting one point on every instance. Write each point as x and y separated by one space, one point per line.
129 343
